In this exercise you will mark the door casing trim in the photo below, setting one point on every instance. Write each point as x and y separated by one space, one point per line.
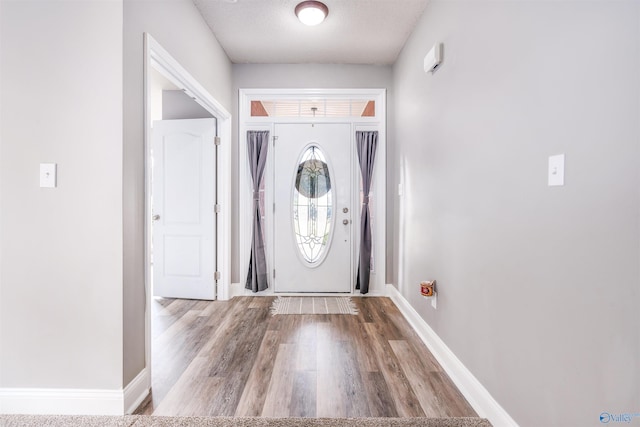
245 199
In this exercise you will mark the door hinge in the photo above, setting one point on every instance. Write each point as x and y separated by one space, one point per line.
217 208
274 208
216 140
274 273
274 140
216 275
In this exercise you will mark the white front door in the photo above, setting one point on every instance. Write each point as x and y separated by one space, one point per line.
183 192
312 215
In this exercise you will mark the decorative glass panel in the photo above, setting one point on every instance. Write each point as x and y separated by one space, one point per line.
318 108
312 205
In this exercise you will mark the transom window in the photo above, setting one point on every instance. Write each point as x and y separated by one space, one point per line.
313 108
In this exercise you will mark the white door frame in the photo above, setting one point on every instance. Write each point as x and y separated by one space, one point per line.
245 197
158 59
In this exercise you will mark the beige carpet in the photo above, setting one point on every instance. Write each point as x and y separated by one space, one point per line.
146 421
313 305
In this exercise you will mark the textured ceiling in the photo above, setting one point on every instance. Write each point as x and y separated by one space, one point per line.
355 31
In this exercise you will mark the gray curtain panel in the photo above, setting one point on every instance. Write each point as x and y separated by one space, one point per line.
257 146
366 142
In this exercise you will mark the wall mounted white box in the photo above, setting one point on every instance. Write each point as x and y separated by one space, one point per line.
556 170
433 58
48 175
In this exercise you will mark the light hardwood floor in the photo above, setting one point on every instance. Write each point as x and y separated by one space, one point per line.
234 359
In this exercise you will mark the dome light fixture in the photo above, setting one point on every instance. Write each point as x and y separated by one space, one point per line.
311 12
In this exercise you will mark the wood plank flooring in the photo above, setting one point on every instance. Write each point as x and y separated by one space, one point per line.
232 358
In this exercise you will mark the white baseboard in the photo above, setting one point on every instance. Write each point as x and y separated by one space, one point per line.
136 391
372 293
238 290
475 393
223 293
61 401
46 401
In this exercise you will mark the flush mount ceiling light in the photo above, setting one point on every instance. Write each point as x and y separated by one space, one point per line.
311 12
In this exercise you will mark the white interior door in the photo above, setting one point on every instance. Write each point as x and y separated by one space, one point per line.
312 215
183 192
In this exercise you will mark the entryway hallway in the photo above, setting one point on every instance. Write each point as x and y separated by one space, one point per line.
233 358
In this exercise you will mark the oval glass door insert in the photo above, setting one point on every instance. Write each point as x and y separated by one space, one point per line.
312 205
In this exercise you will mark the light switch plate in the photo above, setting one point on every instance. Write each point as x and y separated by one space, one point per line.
48 175
556 170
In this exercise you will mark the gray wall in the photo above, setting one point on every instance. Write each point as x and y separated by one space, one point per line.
61 248
316 76
177 105
197 50
538 286
72 258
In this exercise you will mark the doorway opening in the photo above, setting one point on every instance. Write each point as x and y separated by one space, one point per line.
187 186
183 190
